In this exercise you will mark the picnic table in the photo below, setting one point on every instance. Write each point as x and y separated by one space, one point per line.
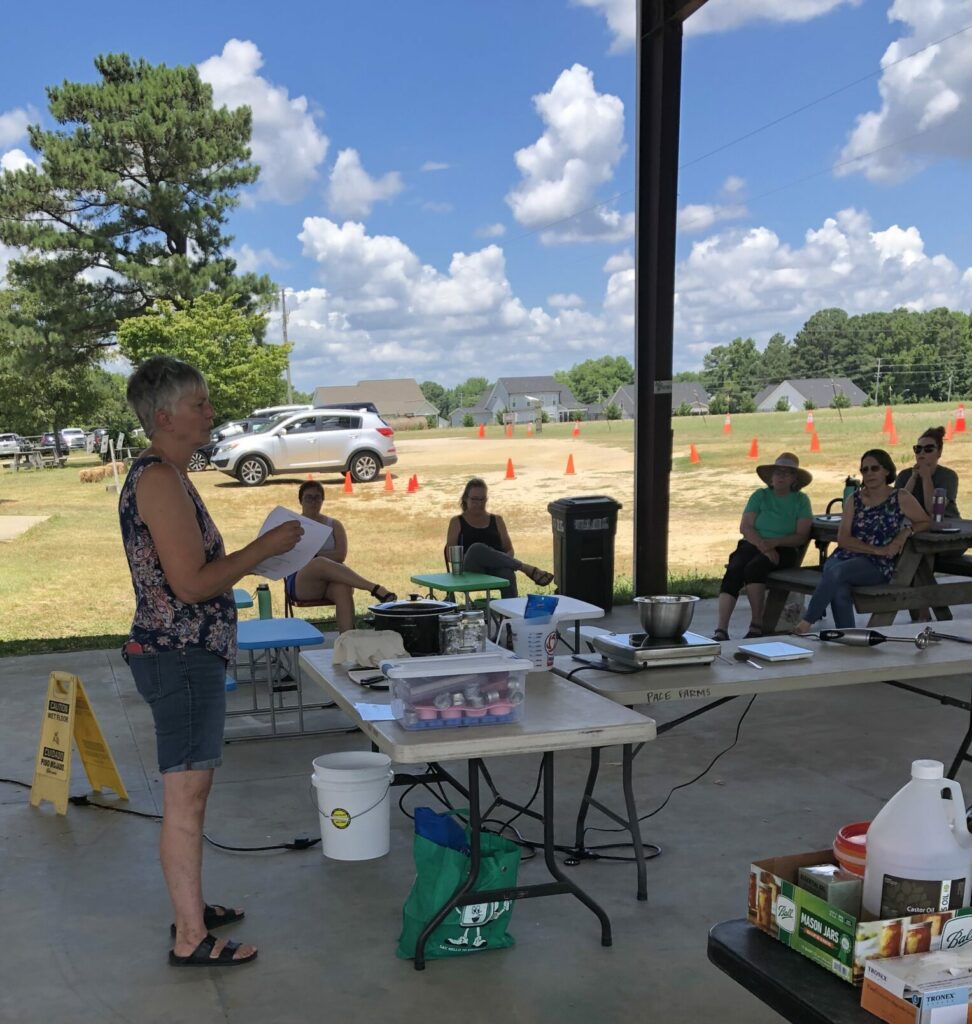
38 458
913 586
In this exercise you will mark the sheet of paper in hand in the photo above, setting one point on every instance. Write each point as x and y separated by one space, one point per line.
278 566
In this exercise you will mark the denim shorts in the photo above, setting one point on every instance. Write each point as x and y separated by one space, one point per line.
186 690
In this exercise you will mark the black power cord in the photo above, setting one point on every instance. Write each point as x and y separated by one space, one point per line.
298 843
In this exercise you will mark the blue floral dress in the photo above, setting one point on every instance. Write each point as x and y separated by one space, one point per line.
877 525
162 622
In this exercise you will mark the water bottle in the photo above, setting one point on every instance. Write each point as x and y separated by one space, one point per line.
938 504
850 486
264 604
918 849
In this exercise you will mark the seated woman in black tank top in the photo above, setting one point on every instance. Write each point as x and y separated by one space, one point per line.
487 547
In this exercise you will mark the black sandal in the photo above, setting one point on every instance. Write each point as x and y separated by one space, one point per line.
202 955
388 595
215 916
755 633
720 634
541 577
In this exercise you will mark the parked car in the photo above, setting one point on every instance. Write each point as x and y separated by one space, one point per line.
11 444
201 456
277 410
46 440
72 437
349 440
369 406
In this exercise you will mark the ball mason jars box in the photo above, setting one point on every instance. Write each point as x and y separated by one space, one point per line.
456 690
830 936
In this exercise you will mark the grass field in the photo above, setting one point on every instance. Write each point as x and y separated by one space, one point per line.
67 576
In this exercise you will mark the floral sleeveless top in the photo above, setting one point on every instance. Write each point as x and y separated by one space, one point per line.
877 525
163 622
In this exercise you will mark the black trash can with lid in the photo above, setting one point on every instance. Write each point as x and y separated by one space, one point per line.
583 543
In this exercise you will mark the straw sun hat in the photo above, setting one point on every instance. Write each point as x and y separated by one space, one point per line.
785 461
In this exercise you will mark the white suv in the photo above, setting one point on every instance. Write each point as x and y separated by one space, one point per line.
350 440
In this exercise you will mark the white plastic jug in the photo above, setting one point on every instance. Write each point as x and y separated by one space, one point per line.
532 639
919 852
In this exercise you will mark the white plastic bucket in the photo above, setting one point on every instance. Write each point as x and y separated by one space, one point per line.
353 804
530 641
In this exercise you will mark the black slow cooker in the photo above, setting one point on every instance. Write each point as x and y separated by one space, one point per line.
417 620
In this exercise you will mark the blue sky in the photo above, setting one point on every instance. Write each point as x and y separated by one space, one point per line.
429 168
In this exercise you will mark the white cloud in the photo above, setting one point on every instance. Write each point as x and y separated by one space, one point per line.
491 231
560 300
926 101
382 307
250 260
13 124
701 216
352 192
619 261
286 141
15 160
583 141
7 253
715 16
749 282
436 207
434 165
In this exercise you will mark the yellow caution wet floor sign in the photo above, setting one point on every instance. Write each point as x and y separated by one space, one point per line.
68 714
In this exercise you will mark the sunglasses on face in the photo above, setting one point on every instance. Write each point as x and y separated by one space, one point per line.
926 448
872 469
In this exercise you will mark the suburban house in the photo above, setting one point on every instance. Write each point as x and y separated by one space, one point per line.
400 399
690 393
480 414
524 397
819 390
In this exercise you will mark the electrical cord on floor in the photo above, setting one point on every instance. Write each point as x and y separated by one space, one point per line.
298 843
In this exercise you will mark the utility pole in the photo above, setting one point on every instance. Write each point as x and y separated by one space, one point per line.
283 323
877 381
950 375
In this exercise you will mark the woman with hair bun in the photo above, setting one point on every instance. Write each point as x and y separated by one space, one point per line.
926 475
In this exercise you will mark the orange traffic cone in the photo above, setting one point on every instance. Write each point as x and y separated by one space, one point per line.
310 476
510 475
509 429
893 436
482 429
727 426
960 420
808 426
348 489
415 479
754 449
814 442
694 455
569 471
949 430
576 430
888 421
412 485
529 430
389 486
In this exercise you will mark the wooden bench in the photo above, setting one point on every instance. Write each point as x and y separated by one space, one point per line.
879 599
954 565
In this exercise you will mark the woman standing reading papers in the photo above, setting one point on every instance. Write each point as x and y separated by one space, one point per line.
183 634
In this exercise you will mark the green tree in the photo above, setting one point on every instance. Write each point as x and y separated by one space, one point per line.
468 421
825 345
735 366
775 360
612 411
434 394
222 341
783 404
597 379
128 205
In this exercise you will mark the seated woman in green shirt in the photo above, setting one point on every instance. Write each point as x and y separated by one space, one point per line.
775 528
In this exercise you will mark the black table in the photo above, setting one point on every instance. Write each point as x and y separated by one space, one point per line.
795 987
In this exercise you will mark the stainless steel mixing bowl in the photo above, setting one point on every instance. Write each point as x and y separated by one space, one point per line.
667 616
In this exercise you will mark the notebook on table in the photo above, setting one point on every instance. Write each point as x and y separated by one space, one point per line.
776 651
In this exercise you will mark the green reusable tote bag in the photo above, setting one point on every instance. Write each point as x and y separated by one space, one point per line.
473 928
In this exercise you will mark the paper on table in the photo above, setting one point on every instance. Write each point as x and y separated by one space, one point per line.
374 712
314 538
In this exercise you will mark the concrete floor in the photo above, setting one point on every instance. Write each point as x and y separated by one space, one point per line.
85 913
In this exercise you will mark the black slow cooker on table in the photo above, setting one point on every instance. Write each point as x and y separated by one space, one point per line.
417 620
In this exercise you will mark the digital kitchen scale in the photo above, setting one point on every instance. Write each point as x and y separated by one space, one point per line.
638 650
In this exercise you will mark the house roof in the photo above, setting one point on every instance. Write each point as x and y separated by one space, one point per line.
688 391
820 390
397 397
530 385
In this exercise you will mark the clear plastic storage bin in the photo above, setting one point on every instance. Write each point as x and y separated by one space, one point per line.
452 691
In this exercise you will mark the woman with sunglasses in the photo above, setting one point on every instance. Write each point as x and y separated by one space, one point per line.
926 476
874 528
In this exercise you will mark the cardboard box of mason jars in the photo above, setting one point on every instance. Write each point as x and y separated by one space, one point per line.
831 937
